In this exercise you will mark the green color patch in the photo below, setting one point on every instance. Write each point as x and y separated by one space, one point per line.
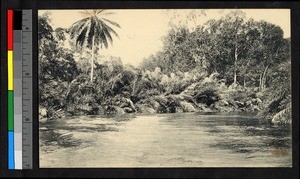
10 110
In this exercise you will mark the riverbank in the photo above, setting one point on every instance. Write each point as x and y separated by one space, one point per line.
207 94
158 104
208 99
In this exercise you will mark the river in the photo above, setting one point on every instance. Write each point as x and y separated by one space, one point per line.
164 140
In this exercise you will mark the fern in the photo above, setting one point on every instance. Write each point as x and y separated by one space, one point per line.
283 116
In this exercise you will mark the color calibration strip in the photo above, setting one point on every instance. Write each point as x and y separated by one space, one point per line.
19 53
10 70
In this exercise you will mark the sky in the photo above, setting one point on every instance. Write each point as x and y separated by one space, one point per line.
141 31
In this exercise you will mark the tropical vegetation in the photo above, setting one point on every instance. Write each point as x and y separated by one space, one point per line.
225 65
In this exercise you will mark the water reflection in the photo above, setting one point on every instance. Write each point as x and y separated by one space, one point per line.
165 140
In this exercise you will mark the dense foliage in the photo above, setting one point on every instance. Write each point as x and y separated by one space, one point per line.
228 64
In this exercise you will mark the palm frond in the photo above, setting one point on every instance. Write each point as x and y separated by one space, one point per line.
79 32
83 34
84 30
103 33
77 27
112 22
99 32
109 29
86 36
79 22
283 116
100 11
104 40
107 34
91 33
81 37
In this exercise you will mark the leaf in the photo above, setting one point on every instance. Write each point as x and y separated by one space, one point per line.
109 29
112 22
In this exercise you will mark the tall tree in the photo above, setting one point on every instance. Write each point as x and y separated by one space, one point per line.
93 31
233 32
250 54
272 47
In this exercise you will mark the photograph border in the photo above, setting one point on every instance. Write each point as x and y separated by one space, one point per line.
35 5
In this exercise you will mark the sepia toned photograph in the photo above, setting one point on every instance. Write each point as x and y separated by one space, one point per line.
164 88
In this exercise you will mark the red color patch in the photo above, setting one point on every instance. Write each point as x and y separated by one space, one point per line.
10 29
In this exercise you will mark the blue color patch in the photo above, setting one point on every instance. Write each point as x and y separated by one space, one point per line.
11 156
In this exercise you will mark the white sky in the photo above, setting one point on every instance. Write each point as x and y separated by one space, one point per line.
142 30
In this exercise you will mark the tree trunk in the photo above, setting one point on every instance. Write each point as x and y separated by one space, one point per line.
235 61
263 79
81 61
92 61
134 85
260 82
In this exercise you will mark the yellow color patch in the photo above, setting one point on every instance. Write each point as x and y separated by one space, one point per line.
10 70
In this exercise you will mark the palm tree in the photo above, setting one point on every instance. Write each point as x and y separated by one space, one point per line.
93 31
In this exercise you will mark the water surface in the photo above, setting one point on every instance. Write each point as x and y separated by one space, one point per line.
164 140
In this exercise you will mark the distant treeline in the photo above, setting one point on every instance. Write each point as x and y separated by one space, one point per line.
224 65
